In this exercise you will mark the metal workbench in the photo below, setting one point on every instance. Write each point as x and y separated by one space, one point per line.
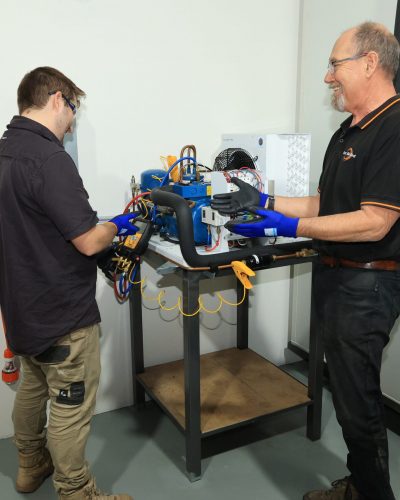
207 394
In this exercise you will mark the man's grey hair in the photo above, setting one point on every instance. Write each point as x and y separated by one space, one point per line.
376 37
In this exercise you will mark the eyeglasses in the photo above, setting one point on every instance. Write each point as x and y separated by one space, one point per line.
332 64
68 101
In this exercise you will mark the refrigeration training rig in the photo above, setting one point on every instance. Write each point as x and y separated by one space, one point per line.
175 204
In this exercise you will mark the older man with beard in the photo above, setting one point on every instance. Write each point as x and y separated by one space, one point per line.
354 221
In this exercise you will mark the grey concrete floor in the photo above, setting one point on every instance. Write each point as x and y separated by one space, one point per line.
141 452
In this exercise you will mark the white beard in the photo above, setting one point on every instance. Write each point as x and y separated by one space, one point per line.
338 101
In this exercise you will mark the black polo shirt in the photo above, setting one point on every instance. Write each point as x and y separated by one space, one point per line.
362 167
47 287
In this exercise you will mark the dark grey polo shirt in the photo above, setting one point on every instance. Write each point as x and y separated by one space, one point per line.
47 287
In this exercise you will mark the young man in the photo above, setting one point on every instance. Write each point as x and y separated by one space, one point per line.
48 238
354 221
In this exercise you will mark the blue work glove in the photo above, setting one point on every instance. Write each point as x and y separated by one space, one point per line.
272 224
124 226
247 196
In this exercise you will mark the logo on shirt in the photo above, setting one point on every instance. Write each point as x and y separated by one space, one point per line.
348 154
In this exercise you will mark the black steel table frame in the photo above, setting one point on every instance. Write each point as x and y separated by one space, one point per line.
191 339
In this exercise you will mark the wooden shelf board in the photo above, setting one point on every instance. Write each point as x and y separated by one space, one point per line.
236 386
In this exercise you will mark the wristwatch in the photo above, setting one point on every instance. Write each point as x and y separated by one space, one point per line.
271 203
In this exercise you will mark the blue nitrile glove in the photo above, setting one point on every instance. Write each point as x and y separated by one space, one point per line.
247 196
272 224
124 227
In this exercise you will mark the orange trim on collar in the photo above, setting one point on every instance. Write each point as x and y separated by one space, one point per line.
380 112
383 205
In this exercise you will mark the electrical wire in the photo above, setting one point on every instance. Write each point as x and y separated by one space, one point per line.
208 311
133 201
120 298
200 165
180 160
205 166
188 315
210 249
227 176
143 203
163 307
260 181
178 305
124 285
231 303
134 269
146 297
255 173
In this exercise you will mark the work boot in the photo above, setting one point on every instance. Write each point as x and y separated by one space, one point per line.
342 489
91 492
33 469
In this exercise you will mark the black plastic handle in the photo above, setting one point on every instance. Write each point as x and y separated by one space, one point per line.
186 241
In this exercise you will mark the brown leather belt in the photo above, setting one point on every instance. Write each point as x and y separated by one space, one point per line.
378 265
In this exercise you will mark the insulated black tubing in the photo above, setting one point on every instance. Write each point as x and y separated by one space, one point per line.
186 241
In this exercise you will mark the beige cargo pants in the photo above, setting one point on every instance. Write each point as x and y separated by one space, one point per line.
67 374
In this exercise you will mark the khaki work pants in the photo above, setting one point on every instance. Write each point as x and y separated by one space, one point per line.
71 385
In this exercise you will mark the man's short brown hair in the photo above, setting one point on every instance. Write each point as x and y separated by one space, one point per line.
33 91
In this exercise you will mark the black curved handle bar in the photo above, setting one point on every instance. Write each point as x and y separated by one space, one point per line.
186 241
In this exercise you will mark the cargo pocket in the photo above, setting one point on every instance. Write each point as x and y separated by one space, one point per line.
74 395
66 382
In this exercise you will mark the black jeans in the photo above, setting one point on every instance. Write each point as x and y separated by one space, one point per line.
356 310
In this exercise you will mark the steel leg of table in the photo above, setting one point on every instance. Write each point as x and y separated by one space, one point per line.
242 329
315 376
191 345
135 311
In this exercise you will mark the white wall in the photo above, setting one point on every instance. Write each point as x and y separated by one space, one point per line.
158 75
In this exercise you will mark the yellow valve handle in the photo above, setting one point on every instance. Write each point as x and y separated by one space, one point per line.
242 273
175 171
